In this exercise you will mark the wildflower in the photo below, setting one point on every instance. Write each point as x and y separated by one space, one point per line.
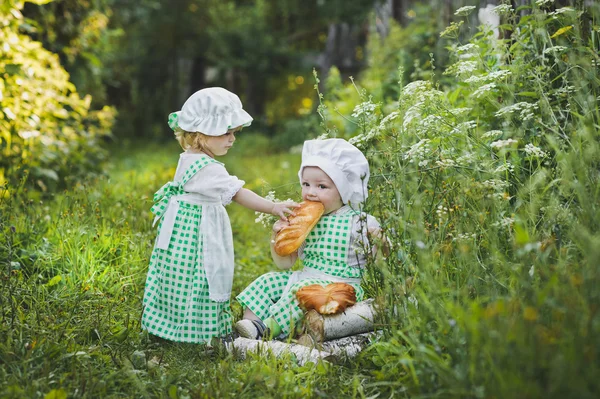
534 151
483 90
504 222
503 143
541 3
452 30
414 87
417 151
562 11
466 10
464 126
525 109
531 271
555 49
505 167
462 68
495 184
502 9
464 237
446 163
492 134
366 108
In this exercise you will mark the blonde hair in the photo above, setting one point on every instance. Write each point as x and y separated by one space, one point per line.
191 140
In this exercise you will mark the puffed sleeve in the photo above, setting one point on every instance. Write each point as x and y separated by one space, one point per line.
215 182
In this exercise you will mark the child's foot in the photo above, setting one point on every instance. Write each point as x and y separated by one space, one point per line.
253 329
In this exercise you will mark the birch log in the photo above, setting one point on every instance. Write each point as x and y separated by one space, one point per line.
356 319
242 346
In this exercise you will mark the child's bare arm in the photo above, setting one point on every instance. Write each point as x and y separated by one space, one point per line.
251 200
282 262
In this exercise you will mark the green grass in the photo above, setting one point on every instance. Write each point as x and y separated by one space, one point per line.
73 282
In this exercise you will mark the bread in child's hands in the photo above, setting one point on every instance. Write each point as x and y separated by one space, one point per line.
331 299
302 221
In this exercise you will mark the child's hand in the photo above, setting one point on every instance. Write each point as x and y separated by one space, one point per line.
281 208
278 225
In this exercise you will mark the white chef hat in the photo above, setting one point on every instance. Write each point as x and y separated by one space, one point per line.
212 111
345 164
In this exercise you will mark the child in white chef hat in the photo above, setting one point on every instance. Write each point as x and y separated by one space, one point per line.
335 173
190 276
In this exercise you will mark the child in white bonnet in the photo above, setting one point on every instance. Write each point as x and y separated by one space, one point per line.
335 173
188 286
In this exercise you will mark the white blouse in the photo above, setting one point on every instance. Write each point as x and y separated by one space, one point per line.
212 181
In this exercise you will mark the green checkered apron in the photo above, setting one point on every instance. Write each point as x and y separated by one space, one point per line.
176 301
325 262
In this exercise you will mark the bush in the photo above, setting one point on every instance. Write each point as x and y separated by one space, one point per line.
48 135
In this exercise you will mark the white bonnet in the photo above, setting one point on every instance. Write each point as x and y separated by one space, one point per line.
345 164
212 111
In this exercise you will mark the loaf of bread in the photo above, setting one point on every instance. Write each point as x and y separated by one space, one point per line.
331 299
305 217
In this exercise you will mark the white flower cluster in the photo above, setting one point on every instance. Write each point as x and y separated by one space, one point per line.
466 159
555 49
502 9
507 166
490 77
464 126
504 222
466 10
362 139
562 11
446 163
464 237
483 90
503 143
417 151
365 109
491 134
460 111
495 184
534 151
543 2
441 212
462 68
526 110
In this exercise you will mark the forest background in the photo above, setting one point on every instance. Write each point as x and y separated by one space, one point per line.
484 152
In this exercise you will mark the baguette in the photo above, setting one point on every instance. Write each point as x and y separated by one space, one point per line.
305 217
331 299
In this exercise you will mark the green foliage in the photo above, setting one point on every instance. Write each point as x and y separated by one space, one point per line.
487 183
48 135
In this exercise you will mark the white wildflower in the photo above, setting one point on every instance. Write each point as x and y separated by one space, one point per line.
562 11
415 87
466 159
543 2
505 167
466 10
464 126
502 9
492 134
503 143
534 151
525 109
495 184
446 163
555 49
365 109
531 271
504 222
460 111
462 68
483 90
464 237
423 163
417 151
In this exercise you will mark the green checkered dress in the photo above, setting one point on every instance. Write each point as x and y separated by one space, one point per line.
176 298
326 251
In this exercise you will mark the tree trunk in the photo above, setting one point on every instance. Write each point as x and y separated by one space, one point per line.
356 319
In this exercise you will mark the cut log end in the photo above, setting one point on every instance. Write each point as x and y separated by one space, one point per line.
314 323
